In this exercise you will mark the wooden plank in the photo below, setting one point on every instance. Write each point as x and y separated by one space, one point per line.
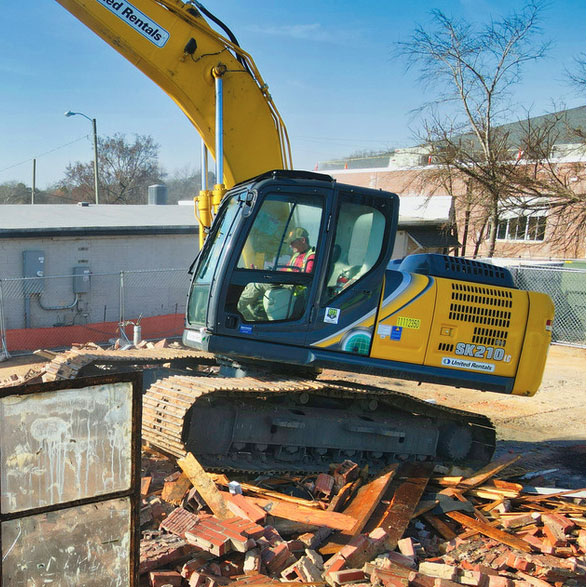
490 531
174 491
441 528
145 484
299 513
338 502
223 481
488 471
367 499
405 500
205 486
361 509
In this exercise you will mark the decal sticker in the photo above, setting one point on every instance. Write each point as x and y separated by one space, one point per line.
357 341
198 336
331 315
412 323
479 351
137 20
470 365
384 330
396 333
245 329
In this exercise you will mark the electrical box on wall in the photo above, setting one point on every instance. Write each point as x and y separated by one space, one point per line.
81 279
33 266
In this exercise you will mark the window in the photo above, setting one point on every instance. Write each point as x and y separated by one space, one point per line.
282 240
521 228
357 246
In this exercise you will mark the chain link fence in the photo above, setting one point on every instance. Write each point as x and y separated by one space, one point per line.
566 287
58 311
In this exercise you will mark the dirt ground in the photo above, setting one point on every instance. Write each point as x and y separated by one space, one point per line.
547 430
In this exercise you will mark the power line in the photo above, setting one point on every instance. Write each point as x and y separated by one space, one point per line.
45 153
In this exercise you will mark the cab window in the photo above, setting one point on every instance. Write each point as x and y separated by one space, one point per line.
282 245
357 246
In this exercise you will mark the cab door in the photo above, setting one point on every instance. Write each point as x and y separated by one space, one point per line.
363 233
271 289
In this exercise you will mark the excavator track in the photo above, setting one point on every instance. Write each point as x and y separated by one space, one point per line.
298 425
283 424
81 362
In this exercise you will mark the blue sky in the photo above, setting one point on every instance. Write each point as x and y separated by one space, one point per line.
329 66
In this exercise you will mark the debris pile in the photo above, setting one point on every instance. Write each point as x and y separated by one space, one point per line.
410 525
84 359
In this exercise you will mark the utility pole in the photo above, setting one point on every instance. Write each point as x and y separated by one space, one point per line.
34 181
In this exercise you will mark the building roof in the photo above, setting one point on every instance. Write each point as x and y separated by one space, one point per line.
94 220
569 129
49 220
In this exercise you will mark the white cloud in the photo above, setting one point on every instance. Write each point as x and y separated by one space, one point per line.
312 32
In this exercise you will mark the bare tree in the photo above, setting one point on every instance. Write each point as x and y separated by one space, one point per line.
547 183
125 170
576 74
185 184
474 70
13 192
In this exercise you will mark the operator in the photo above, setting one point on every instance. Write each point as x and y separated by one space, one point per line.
250 303
303 257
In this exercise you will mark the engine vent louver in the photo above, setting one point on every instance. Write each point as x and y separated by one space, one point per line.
446 347
481 305
490 337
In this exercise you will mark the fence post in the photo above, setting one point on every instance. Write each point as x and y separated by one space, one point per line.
4 354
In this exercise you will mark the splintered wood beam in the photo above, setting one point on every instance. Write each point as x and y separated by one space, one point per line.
305 515
487 472
367 499
414 477
205 486
490 531
361 509
441 528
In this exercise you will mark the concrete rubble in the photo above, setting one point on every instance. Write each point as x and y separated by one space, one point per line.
408 525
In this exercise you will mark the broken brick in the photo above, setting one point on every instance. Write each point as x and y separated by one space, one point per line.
323 486
178 522
163 578
276 558
439 570
240 506
252 563
406 547
345 576
499 581
345 472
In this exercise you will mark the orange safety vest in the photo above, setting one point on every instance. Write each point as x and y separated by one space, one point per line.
304 261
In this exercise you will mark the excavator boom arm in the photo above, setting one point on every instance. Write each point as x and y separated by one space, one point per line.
172 43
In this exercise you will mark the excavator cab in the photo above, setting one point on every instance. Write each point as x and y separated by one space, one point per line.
260 292
340 302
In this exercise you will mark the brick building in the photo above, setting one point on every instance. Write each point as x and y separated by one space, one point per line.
522 232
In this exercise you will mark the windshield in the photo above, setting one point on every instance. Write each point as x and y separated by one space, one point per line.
213 247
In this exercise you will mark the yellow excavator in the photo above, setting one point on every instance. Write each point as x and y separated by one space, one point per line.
295 274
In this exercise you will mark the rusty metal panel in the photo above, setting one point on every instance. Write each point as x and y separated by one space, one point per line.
70 482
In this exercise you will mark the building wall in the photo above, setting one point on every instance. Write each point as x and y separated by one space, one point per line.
421 181
147 293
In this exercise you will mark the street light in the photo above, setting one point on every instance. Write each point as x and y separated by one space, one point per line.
93 121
